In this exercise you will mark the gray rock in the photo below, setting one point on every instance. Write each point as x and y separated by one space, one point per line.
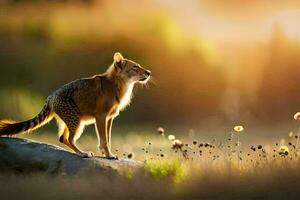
26 156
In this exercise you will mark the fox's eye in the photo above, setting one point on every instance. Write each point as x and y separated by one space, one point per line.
135 68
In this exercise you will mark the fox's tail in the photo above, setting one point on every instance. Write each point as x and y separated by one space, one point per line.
8 127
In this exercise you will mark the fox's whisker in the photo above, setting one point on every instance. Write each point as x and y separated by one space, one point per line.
152 81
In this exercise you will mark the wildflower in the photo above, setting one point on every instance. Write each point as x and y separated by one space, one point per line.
171 137
130 155
238 128
283 151
161 131
177 145
194 142
252 148
291 134
259 147
297 116
162 155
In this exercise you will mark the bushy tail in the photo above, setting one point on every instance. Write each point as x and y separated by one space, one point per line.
8 127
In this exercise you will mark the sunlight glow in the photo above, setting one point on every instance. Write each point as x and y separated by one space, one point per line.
289 20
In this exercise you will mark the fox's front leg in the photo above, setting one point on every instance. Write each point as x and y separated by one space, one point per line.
108 131
101 127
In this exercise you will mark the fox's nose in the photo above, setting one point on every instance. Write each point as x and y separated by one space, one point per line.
148 72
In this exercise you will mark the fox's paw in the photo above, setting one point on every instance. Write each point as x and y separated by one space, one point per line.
111 157
87 154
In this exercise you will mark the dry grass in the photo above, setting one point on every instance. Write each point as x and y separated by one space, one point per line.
274 181
186 169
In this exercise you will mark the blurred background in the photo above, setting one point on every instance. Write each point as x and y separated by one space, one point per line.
215 63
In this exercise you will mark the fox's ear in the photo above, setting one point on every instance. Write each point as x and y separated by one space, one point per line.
118 59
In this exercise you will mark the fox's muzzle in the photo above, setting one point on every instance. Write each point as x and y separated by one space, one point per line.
146 75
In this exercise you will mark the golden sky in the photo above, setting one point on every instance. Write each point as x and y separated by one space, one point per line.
237 19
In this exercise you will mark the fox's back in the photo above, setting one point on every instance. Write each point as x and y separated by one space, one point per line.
82 93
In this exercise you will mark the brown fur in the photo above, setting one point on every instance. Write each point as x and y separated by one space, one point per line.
97 99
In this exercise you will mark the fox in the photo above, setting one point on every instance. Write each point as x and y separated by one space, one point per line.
94 100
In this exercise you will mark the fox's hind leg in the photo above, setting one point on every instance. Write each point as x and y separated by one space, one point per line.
71 127
75 131
63 132
64 138
70 137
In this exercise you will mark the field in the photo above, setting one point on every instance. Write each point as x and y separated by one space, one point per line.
191 167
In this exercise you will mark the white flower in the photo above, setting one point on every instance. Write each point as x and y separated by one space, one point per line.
161 131
238 128
171 137
177 142
177 145
283 151
297 116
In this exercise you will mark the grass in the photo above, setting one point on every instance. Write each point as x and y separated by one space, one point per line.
180 168
161 169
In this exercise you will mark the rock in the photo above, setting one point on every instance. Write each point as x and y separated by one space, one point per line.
26 156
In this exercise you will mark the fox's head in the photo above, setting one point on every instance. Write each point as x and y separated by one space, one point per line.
130 70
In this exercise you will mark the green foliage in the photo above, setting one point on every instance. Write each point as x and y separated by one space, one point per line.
19 103
166 168
35 30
